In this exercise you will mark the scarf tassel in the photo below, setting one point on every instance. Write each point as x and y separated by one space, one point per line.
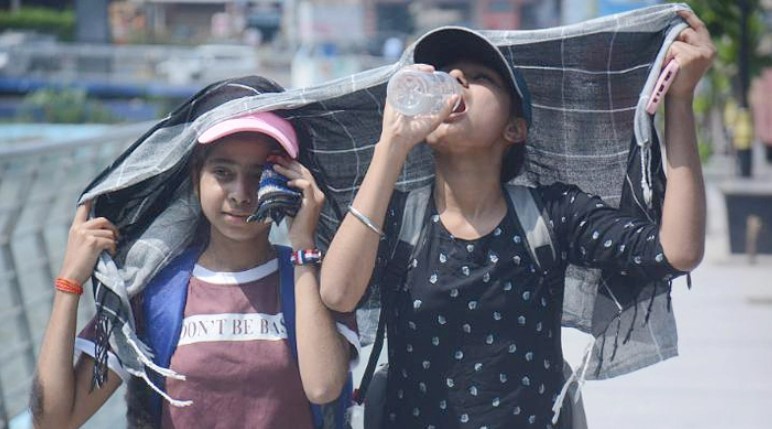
582 371
175 402
104 329
632 325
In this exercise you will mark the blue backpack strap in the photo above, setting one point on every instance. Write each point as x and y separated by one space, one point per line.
287 288
344 402
163 304
287 293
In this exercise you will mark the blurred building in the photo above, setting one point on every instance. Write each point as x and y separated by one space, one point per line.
196 21
408 17
366 22
573 11
608 7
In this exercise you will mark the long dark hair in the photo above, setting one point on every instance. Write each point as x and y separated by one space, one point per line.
513 162
195 164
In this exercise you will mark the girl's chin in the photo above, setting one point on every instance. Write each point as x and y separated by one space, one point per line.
241 235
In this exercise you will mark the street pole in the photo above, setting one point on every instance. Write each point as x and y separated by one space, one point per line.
744 154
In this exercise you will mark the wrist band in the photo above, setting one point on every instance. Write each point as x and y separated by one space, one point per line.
306 256
365 220
68 286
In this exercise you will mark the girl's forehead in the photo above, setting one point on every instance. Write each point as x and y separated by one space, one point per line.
243 147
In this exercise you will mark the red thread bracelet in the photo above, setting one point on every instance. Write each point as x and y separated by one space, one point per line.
306 256
68 286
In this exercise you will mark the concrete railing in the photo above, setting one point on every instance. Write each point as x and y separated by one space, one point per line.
39 186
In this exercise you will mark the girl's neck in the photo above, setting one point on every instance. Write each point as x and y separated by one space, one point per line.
467 185
470 201
228 256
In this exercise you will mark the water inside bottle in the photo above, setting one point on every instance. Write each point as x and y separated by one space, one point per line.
414 92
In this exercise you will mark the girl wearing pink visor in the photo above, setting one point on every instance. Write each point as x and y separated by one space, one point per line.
235 328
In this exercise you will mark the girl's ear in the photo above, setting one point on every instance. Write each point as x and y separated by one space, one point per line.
516 131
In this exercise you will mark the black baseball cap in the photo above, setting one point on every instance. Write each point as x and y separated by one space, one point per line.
445 45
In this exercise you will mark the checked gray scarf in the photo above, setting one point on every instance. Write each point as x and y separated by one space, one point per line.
589 84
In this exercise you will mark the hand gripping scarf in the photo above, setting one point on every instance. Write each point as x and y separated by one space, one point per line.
589 83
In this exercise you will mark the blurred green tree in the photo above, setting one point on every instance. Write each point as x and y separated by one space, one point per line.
724 19
738 59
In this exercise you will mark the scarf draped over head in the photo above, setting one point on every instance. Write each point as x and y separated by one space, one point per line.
148 194
589 84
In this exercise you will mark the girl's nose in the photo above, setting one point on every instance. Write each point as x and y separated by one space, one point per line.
243 192
459 75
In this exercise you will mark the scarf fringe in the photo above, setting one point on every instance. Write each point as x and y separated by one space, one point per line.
139 351
646 173
175 402
600 356
650 306
632 325
582 369
104 329
141 354
616 336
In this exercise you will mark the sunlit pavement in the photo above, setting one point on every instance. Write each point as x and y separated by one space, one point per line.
723 376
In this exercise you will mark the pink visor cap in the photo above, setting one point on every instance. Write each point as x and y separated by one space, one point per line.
266 123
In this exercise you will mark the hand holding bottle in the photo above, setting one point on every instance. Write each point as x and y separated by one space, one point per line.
401 132
414 92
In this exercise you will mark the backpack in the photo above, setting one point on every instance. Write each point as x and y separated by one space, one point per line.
163 305
532 217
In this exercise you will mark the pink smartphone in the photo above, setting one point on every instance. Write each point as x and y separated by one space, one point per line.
663 83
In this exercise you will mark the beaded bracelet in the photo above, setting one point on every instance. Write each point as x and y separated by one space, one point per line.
306 256
68 286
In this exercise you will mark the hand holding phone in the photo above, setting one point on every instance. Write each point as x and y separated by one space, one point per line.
666 77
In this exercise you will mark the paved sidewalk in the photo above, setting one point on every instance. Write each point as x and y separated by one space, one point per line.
723 376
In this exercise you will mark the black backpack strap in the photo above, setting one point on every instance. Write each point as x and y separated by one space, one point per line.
413 216
533 218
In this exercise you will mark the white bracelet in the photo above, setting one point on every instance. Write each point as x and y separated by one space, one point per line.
365 220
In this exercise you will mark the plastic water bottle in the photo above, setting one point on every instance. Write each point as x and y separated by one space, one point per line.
414 92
